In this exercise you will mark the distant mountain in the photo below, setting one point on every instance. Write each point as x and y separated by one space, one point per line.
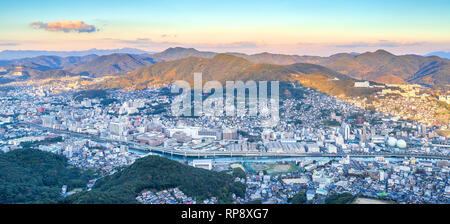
442 54
225 67
114 64
46 67
19 54
179 53
380 66
50 62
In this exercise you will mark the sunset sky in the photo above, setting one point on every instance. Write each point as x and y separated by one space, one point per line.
303 27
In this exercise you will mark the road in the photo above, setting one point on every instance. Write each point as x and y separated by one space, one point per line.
199 153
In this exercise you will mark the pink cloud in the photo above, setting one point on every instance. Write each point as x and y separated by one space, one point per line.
65 26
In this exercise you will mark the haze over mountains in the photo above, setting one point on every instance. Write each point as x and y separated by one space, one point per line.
442 54
180 63
18 54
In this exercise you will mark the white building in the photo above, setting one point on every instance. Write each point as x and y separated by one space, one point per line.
313 148
331 148
364 84
204 164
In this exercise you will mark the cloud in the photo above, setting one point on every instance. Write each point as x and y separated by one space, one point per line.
169 36
7 44
65 26
233 45
146 42
380 43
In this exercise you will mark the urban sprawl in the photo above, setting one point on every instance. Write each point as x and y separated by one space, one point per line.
322 145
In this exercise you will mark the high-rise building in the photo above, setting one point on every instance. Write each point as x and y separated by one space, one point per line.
345 130
117 129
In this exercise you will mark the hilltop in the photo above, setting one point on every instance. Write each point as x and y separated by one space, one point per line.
158 173
34 176
175 53
113 64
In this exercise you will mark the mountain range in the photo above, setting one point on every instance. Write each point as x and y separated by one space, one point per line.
224 67
140 70
90 65
380 66
18 54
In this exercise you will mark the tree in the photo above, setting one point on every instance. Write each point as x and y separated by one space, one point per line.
345 198
238 172
299 198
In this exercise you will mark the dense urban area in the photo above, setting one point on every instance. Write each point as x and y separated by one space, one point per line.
323 150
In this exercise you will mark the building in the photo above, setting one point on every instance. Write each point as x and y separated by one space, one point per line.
230 134
331 148
377 139
313 148
345 131
364 84
204 164
48 121
214 134
117 129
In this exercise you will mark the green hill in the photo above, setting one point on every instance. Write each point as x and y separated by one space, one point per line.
34 176
157 173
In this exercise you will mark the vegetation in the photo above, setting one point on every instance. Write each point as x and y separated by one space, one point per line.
255 202
157 173
34 176
345 198
238 172
299 198
91 94
332 123
109 101
158 109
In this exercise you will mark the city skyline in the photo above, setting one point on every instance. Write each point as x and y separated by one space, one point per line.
290 27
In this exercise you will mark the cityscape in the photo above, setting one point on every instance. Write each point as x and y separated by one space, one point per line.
98 126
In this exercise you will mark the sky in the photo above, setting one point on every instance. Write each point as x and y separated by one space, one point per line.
302 27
